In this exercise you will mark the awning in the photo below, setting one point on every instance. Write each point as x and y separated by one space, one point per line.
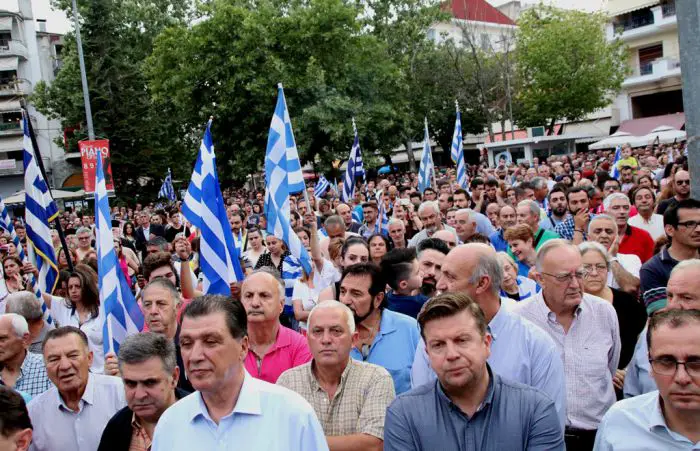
619 7
5 23
9 63
10 105
644 126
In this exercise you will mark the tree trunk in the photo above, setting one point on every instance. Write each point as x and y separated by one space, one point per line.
409 153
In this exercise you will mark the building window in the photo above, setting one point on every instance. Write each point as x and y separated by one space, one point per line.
647 56
634 19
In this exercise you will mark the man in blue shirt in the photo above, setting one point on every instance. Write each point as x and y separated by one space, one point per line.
506 218
520 351
470 406
400 268
386 338
667 419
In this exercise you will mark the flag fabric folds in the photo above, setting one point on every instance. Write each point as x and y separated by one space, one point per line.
40 210
425 173
204 208
457 153
354 167
282 177
321 186
614 171
382 224
122 314
167 191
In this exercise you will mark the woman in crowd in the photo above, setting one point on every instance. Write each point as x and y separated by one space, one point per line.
14 279
520 239
354 250
254 247
378 246
515 287
128 265
275 254
128 234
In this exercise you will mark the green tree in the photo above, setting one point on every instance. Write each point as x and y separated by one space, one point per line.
566 68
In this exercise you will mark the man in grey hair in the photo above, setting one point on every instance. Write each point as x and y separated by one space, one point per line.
150 373
27 305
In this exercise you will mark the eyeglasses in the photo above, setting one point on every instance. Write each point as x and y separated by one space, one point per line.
600 267
682 182
689 224
668 367
568 277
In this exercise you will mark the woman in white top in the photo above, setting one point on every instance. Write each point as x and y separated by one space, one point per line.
254 248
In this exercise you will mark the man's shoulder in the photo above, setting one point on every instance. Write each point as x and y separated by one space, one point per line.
639 233
369 371
418 396
637 407
532 331
39 402
511 390
400 320
599 305
277 395
294 376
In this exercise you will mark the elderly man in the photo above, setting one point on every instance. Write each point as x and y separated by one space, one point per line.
429 214
483 224
349 397
15 424
273 348
669 418
385 338
465 224
632 240
73 414
148 367
431 253
145 231
586 331
624 268
345 212
681 188
471 406
230 406
27 305
84 236
528 213
20 369
520 351
448 237
397 232
507 217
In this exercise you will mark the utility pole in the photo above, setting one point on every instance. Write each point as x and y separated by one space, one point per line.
83 75
688 14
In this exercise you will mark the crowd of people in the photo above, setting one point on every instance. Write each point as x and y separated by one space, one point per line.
549 306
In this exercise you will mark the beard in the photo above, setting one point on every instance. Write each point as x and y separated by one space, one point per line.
559 211
429 286
359 319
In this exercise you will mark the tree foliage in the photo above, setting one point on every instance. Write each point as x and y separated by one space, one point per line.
565 66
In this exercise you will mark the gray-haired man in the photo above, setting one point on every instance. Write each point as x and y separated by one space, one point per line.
28 306
150 373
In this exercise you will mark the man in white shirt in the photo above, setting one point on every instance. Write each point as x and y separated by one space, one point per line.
624 268
645 200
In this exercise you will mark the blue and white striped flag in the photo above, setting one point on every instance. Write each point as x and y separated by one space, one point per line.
204 208
354 167
39 212
282 177
122 314
457 152
382 224
614 172
321 186
166 190
425 173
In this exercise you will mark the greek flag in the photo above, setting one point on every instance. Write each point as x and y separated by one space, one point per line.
382 224
282 177
321 186
354 167
122 314
614 172
166 190
425 173
457 152
204 208
40 210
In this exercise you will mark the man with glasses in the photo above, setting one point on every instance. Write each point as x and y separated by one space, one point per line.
681 188
587 334
669 418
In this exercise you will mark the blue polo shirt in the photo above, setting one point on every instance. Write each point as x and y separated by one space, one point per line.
394 348
499 243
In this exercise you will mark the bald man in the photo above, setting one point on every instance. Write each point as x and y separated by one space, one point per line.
273 348
681 186
520 351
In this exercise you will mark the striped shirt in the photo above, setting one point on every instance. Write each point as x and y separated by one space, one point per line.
32 378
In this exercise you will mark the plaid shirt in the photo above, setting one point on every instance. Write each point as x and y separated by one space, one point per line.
140 441
360 401
32 379
566 228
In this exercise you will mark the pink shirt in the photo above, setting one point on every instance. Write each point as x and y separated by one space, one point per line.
289 350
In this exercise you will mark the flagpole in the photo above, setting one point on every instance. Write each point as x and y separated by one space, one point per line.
430 150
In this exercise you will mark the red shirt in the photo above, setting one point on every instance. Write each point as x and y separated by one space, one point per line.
289 350
638 242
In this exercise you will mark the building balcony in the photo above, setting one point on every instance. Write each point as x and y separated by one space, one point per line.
13 47
15 88
11 143
653 72
663 18
11 129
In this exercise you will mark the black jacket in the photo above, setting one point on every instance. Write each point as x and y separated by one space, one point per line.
117 433
141 241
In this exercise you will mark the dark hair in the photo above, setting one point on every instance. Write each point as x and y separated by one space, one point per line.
416 194
159 241
450 304
351 241
138 348
558 188
476 181
612 180
674 318
157 260
370 204
525 185
637 189
387 240
64 331
13 412
236 319
428 189
89 291
671 213
397 265
13 258
576 189
492 182
370 269
461 191
435 244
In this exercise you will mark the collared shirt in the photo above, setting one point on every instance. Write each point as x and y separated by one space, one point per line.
289 350
32 379
498 241
520 352
58 428
423 235
638 242
140 441
638 379
393 347
654 226
93 328
630 263
550 222
566 229
639 424
359 403
653 278
590 351
511 417
266 417
526 288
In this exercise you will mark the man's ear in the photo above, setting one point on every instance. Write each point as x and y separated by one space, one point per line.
403 284
378 299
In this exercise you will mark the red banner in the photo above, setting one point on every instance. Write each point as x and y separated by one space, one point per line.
88 155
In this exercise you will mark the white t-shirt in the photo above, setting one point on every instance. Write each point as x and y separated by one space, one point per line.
93 328
307 295
630 263
655 226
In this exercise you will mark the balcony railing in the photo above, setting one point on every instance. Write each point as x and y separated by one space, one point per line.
12 47
668 9
633 22
646 68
